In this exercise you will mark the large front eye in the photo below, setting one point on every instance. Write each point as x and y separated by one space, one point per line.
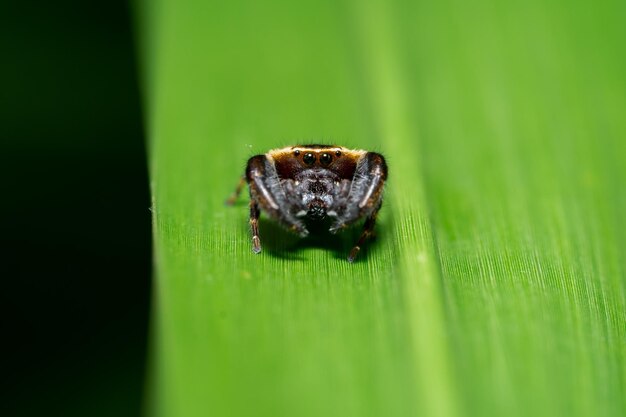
325 159
308 158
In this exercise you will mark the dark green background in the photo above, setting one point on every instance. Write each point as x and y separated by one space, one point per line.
75 224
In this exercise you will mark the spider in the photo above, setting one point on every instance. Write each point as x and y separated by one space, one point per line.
304 184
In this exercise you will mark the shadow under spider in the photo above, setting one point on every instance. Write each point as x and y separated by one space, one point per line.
279 243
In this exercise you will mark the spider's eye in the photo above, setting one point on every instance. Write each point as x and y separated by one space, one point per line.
325 158
308 158
296 152
337 153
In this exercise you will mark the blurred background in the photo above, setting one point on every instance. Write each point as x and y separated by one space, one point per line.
75 211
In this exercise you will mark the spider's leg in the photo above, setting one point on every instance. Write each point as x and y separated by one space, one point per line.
233 197
254 225
368 230
266 190
366 191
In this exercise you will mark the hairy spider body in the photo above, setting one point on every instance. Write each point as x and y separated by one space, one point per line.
301 184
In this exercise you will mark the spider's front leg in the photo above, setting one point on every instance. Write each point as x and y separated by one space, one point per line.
368 231
267 193
364 198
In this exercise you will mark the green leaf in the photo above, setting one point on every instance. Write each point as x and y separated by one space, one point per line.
496 285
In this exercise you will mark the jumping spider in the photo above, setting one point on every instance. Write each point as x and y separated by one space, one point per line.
301 184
